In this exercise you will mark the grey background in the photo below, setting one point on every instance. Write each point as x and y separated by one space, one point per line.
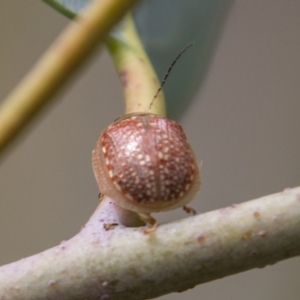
244 126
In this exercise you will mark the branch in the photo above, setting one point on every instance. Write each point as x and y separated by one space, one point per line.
124 263
57 64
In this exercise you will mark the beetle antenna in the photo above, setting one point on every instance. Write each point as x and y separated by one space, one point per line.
168 73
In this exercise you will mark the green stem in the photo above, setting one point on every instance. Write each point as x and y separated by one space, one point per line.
140 82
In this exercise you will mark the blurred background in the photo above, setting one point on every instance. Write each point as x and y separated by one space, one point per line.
243 124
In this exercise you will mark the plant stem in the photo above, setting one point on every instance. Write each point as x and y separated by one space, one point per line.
57 64
140 82
124 263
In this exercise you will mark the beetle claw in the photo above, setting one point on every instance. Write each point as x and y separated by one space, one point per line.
150 221
189 210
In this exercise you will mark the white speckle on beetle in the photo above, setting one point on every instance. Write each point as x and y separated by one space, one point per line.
187 186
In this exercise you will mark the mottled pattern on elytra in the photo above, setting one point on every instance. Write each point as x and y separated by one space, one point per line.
148 158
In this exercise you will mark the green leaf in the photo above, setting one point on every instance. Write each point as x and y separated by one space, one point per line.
165 28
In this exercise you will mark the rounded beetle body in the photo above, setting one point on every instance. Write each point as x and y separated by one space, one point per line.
145 164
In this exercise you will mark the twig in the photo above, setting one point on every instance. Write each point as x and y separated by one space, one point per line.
124 263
